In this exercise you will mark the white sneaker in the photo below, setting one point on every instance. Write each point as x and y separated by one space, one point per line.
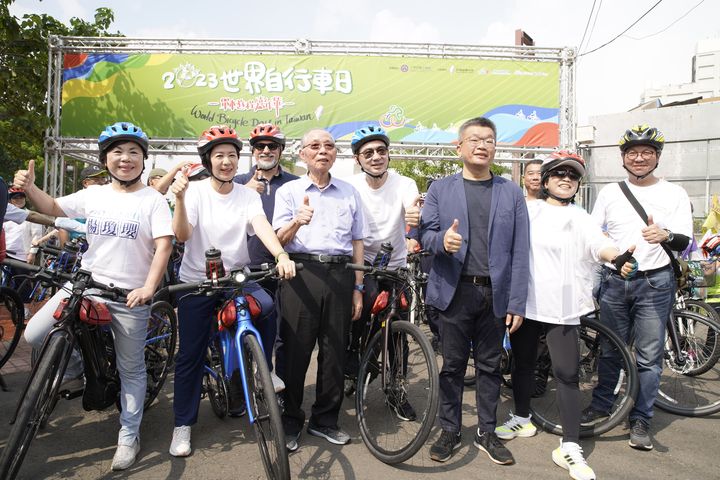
516 427
125 456
28 314
180 445
569 456
278 384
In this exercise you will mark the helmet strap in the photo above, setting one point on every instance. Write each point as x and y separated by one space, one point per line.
640 177
372 175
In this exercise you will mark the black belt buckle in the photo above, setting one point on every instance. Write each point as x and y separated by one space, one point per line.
324 258
476 280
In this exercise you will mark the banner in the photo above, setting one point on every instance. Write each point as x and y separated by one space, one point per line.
417 100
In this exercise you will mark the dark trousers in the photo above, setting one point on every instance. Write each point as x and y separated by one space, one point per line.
469 319
562 342
316 308
195 320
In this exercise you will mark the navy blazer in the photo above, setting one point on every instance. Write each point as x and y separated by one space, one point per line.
508 243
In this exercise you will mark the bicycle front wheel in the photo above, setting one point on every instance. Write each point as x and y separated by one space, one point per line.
34 407
12 322
596 343
395 419
159 348
690 381
214 381
264 406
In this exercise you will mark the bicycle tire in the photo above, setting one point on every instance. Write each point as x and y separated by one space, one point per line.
33 407
12 314
594 337
160 345
684 391
215 383
268 426
377 410
712 342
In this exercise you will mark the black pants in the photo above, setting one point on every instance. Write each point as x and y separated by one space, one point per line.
562 342
316 308
469 319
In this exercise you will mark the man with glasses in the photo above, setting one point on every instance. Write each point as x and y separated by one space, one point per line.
476 224
390 205
643 303
265 177
319 219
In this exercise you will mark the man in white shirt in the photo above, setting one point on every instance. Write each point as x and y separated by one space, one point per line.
643 303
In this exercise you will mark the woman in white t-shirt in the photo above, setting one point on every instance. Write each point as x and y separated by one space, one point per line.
129 241
214 213
564 245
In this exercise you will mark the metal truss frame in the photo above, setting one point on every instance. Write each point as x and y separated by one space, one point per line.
59 149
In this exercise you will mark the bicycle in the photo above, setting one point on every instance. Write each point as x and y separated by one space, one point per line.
83 322
238 347
397 369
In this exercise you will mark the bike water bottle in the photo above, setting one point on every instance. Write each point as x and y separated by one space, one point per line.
506 340
214 268
383 256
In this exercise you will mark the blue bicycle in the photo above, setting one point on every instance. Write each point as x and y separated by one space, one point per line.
237 345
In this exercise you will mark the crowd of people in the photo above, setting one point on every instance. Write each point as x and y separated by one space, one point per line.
502 264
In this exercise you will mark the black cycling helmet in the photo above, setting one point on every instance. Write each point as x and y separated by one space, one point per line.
642 135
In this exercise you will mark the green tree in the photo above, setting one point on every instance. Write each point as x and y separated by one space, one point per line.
23 80
424 170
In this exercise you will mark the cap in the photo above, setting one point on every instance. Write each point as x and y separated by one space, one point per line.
157 172
91 171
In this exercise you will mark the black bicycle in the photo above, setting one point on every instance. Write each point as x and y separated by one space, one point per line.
84 323
397 383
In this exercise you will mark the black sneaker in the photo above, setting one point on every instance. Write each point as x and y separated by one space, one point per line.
590 416
236 396
443 448
331 434
402 408
291 441
489 443
639 437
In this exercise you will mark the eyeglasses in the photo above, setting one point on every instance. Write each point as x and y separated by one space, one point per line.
369 153
474 142
566 172
316 146
262 146
645 154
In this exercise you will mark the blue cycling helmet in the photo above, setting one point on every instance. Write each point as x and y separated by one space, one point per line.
368 134
122 132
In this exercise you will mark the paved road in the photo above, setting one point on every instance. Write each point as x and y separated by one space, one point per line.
80 445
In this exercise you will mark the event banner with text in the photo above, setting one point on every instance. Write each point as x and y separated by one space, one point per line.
417 100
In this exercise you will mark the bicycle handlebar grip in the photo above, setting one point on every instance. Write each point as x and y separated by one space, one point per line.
50 250
11 262
357 266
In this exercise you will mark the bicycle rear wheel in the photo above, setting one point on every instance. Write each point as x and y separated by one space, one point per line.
12 322
159 348
264 406
214 381
395 421
596 342
690 382
34 407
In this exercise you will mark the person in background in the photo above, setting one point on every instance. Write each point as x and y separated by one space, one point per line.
531 179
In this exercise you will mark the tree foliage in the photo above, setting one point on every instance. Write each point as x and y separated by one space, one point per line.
424 171
23 79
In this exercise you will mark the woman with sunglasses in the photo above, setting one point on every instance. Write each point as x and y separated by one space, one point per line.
564 244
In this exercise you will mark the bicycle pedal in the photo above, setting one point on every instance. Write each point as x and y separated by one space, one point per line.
70 394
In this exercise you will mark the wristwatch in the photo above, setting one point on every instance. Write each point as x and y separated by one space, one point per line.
360 288
670 236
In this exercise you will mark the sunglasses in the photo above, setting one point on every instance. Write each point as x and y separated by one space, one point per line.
369 153
270 146
566 172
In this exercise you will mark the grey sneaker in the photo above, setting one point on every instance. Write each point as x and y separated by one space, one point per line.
331 434
489 443
125 456
639 436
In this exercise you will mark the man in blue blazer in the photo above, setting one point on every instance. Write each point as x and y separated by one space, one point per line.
476 224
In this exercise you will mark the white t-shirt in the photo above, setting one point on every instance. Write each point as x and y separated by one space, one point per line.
121 228
667 203
18 238
384 210
221 221
564 245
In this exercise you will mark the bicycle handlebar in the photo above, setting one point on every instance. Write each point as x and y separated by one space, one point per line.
398 274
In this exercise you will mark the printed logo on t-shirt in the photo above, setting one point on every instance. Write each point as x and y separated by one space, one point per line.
110 227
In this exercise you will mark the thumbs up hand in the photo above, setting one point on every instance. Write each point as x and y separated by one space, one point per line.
305 212
452 241
256 183
25 179
412 213
180 185
653 233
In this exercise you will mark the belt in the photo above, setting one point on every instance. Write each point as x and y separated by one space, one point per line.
322 258
476 280
642 273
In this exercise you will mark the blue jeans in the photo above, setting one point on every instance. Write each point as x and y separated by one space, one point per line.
637 308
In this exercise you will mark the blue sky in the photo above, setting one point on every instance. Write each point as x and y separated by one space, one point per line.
609 80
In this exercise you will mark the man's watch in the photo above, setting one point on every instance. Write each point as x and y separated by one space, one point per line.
670 236
360 288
